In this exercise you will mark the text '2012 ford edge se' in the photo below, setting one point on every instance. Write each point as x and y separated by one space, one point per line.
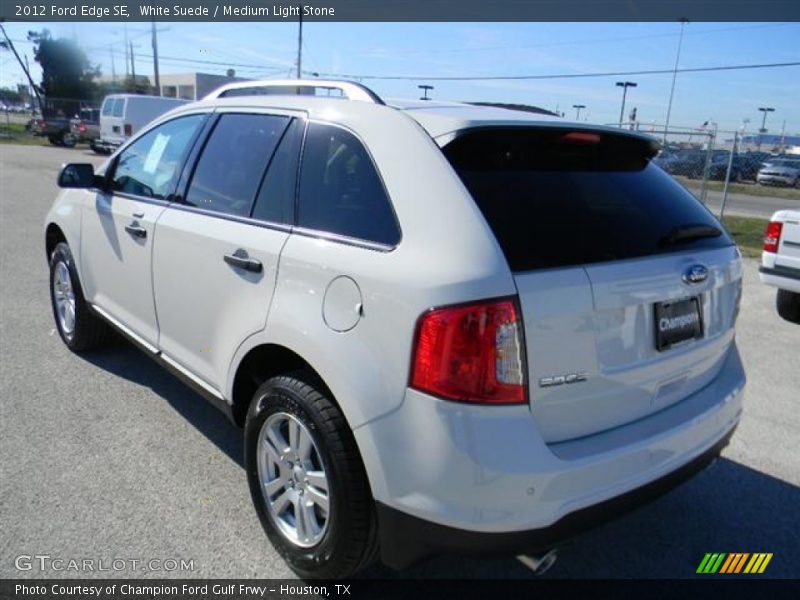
443 327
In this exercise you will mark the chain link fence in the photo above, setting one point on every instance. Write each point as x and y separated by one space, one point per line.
709 161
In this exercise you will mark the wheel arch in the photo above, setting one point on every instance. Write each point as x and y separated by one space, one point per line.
53 236
259 364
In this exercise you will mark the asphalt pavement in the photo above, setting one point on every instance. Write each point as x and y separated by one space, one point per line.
106 456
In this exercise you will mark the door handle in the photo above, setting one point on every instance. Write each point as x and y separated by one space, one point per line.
136 230
241 260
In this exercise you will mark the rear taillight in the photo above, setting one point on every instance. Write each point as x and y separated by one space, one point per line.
772 237
82 128
128 129
471 353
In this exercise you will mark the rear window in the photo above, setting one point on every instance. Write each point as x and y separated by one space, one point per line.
119 107
556 198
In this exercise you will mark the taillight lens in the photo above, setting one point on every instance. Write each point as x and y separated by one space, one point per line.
772 237
128 129
471 353
81 127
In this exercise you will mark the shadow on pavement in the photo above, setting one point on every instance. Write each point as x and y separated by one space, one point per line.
128 362
727 508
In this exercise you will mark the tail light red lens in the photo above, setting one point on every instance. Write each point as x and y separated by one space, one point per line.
128 129
471 353
82 128
772 237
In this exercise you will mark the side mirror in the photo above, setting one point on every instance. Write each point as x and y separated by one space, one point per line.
76 175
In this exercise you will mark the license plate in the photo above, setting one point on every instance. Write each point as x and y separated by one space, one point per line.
678 322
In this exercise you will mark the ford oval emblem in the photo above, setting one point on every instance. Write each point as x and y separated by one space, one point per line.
695 274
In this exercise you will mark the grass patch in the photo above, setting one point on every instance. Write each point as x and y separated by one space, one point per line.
749 189
748 233
14 133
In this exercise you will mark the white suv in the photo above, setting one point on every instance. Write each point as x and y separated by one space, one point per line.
443 327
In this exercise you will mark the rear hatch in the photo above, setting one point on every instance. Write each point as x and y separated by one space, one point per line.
628 286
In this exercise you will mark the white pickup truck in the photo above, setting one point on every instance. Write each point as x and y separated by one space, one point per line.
780 261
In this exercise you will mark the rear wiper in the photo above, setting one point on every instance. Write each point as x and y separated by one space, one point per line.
688 233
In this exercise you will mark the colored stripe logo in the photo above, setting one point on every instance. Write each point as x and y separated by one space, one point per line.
734 563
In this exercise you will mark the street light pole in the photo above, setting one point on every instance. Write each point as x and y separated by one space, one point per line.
624 85
425 89
578 108
683 21
763 130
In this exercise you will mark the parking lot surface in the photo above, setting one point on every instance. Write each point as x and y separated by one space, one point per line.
108 456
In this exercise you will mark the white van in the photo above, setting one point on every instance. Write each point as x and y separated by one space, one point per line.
123 115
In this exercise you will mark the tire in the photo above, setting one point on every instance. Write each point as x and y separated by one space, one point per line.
55 141
789 305
80 328
68 140
338 542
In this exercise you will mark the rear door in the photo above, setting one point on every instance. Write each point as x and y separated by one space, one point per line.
628 285
216 257
111 117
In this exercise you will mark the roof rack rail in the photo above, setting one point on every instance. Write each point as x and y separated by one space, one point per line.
295 87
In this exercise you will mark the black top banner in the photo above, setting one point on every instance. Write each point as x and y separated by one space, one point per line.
399 10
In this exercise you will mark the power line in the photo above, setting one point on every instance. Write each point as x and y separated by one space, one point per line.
559 76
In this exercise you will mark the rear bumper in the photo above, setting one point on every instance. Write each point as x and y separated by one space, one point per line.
453 477
784 278
406 539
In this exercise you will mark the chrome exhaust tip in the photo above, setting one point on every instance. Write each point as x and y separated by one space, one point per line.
539 564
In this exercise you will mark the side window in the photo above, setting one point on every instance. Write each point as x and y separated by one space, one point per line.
233 162
275 200
340 190
151 165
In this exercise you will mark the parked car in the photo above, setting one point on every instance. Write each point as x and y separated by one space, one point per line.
780 172
443 328
58 131
780 262
123 115
686 164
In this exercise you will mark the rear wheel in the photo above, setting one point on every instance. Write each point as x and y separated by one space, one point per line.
789 305
307 480
77 324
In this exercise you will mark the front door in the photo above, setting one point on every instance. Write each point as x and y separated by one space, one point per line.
118 229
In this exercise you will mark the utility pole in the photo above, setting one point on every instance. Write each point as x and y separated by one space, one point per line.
425 89
24 67
113 69
624 85
683 21
155 58
578 108
133 68
300 46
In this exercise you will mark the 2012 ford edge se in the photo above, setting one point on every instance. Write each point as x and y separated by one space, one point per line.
444 328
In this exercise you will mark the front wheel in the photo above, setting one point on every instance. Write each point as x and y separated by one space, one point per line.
789 305
77 324
307 480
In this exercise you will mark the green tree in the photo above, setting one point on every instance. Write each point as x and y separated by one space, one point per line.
67 74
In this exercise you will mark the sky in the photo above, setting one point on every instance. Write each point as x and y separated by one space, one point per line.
426 50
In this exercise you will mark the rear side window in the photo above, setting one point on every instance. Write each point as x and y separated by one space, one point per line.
340 190
232 165
557 198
